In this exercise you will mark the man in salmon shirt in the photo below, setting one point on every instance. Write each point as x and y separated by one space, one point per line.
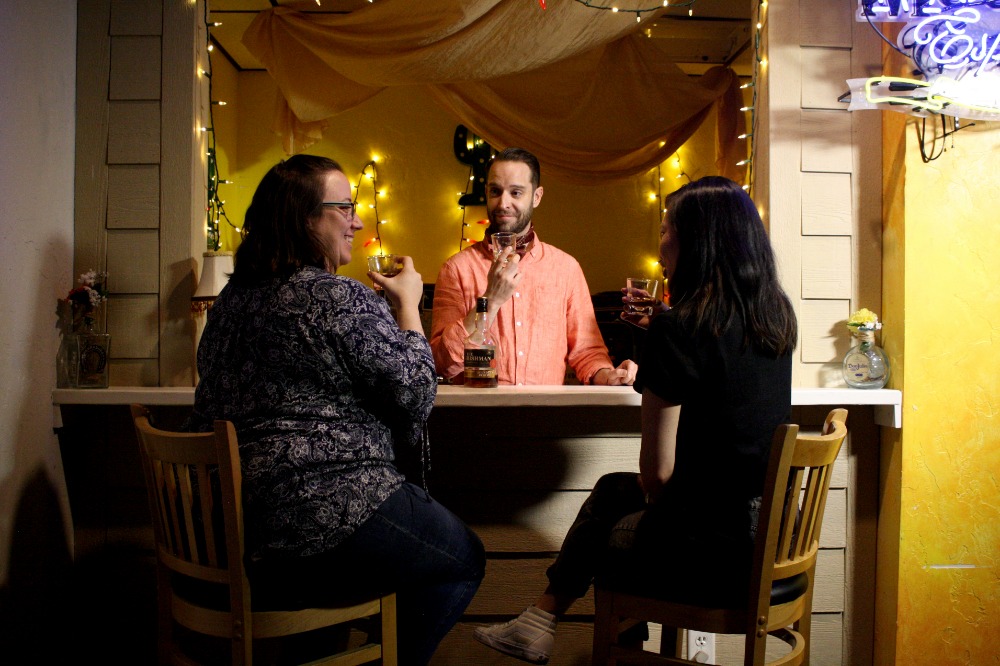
540 313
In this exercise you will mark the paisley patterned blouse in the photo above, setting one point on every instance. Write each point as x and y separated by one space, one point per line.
321 385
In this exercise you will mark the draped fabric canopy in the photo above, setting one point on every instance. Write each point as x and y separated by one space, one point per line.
583 89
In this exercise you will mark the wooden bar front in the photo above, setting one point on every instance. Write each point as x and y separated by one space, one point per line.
516 463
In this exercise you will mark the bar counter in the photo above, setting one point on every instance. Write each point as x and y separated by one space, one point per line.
887 403
516 463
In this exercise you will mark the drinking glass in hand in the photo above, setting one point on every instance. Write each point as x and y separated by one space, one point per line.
640 296
386 265
501 240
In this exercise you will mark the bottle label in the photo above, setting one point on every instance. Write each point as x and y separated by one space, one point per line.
480 364
859 366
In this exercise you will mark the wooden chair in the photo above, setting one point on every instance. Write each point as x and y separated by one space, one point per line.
779 599
195 497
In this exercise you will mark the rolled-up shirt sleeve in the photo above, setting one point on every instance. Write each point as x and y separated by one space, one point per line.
587 352
451 305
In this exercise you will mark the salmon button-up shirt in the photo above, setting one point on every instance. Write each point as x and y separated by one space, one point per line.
546 324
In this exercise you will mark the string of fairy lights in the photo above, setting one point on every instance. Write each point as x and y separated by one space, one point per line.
759 65
215 210
463 237
377 191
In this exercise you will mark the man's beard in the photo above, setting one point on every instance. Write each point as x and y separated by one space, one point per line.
522 222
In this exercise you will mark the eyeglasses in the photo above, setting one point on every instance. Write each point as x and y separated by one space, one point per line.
349 208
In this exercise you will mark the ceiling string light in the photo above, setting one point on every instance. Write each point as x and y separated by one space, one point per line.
615 8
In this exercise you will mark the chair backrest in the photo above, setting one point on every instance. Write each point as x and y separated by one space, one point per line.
805 500
194 483
791 514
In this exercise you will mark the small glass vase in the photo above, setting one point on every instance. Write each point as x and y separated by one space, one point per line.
87 358
866 365
66 361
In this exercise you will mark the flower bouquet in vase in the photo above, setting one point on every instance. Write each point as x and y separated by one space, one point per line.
866 365
83 353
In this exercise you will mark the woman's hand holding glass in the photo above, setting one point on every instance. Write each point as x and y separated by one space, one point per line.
639 302
404 288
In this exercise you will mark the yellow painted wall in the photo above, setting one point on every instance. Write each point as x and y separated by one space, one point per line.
610 227
947 309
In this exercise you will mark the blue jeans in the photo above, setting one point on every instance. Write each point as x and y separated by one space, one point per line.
413 546
651 550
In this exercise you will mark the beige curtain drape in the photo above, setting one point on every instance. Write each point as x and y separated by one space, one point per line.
581 88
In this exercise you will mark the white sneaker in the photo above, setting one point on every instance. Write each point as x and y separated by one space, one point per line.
529 636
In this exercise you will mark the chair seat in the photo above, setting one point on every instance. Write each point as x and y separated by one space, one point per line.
789 589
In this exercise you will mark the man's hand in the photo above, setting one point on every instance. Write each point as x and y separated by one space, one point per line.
501 283
502 279
623 375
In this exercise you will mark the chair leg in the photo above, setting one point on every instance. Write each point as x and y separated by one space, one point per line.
670 641
804 624
605 627
388 616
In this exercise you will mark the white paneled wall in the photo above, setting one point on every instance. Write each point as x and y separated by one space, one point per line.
822 195
140 178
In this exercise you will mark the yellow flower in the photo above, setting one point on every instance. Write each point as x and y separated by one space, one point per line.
864 320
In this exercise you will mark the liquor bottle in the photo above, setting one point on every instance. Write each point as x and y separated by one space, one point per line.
866 365
480 352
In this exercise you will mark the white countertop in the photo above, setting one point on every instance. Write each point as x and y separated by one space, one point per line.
887 402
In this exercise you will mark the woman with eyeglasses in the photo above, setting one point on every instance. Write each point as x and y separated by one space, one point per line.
326 389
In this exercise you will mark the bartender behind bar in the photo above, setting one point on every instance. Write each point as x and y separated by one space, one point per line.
540 313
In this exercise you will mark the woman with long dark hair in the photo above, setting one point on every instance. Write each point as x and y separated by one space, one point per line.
715 379
325 390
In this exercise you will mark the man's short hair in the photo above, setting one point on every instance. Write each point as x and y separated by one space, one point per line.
523 156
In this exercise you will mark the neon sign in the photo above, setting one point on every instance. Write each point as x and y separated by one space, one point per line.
955 45
905 10
959 43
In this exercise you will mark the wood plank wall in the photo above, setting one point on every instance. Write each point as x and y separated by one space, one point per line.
140 178
519 475
819 169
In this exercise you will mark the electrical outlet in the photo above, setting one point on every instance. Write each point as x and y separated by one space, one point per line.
701 647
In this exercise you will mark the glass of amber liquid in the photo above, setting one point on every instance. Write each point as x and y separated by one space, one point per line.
386 265
640 295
